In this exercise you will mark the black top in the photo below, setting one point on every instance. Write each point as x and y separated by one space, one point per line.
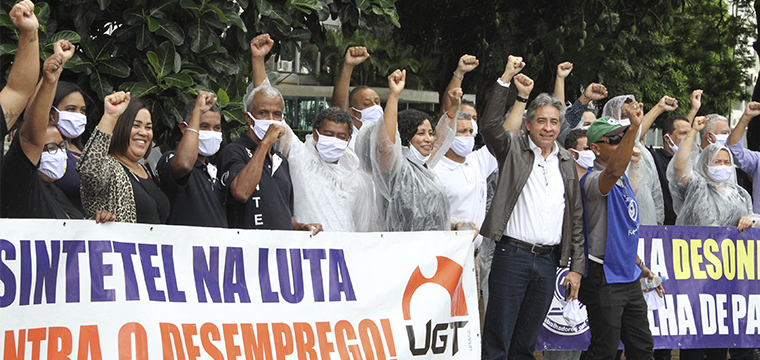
26 195
152 205
70 183
661 160
196 198
271 204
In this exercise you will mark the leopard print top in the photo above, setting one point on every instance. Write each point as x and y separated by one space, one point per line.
105 183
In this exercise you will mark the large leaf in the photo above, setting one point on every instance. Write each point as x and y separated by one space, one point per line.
69 35
178 80
200 37
153 24
143 88
164 59
142 72
103 4
170 30
177 63
234 115
223 63
311 4
223 97
143 37
190 5
8 49
280 14
362 4
115 67
233 17
100 84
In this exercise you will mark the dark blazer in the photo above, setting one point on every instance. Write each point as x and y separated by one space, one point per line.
515 156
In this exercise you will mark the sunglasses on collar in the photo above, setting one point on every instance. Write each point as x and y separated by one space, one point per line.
612 140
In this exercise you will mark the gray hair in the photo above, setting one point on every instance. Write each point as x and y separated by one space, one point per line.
267 90
542 100
711 119
461 115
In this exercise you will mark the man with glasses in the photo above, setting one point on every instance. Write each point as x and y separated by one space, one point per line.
536 215
610 289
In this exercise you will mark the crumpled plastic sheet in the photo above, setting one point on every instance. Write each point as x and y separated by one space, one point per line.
704 201
338 196
409 196
644 179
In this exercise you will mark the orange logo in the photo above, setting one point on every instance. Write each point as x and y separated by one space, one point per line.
449 276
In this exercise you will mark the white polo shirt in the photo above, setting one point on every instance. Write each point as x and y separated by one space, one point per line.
466 185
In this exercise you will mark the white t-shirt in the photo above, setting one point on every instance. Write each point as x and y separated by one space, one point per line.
466 185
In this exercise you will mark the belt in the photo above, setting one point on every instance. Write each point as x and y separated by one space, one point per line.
531 248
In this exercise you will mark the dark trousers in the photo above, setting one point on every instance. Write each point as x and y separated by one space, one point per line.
615 312
521 286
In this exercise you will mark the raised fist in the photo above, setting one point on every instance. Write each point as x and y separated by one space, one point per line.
116 103
524 85
668 103
52 68
455 95
564 69
23 16
634 111
205 101
699 123
595 91
514 65
261 46
467 63
65 49
396 81
753 109
356 55
696 99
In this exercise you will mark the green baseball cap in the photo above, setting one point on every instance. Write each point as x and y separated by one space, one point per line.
606 126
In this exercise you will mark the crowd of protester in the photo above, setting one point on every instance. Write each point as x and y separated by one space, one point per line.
368 168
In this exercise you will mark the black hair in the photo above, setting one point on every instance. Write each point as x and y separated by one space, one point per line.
122 132
190 106
668 126
63 90
571 141
590 111
467 102
352 95
334 114
408 122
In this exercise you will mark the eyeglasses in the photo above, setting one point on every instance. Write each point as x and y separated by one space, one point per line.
613 140
52 148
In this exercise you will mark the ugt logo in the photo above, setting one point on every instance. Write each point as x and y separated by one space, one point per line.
449 276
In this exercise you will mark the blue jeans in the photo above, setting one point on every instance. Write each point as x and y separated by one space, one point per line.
521 286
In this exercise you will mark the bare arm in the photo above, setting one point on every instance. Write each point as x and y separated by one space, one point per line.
260 47
563 71
187 150
354 56
752 110
466 64
696 103
619 160
247 179
22 79
667 103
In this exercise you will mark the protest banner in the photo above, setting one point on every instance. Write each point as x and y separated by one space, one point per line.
80 290
712 295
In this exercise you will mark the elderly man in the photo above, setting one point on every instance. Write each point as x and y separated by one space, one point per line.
329 186
185 175
611 290
536 213
255 176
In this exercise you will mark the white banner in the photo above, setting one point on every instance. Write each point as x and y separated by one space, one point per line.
80 290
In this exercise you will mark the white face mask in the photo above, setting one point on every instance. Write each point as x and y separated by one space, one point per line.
71 124
671 143
474 128
330 148
585 127
53 165
371 114
720 139
209 142
585 158
719 173
417 155
463 145
260 127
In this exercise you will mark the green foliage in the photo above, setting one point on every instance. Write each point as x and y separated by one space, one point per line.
166 50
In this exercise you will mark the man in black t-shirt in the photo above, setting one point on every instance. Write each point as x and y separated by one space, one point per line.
185 176
256 178
674 130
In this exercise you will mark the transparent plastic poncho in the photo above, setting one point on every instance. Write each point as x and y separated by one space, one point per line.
707 202
409 195
643 178
338 196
